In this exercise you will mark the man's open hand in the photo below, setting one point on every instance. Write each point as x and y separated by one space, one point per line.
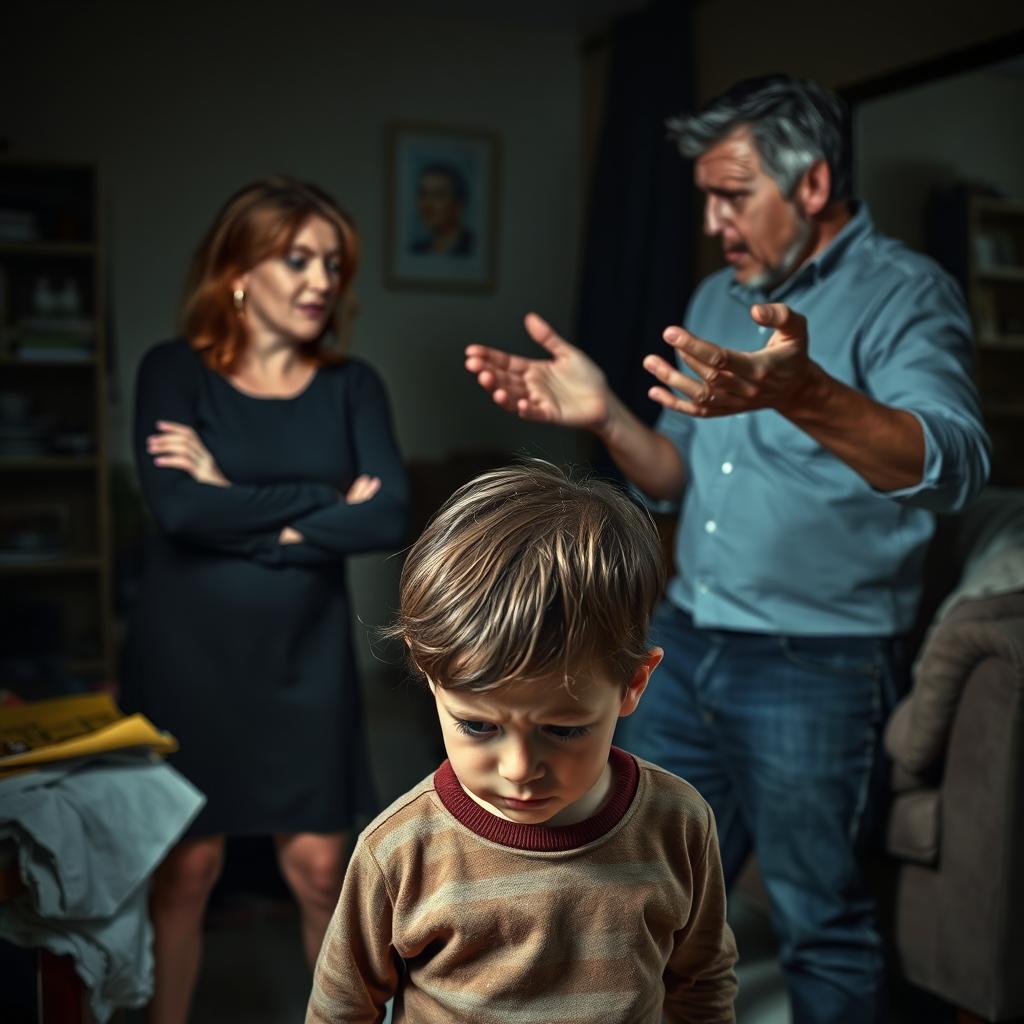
568 389
728 381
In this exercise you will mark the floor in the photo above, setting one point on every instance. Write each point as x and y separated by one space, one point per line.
253 969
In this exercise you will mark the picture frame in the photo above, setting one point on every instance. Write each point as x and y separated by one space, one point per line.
442 208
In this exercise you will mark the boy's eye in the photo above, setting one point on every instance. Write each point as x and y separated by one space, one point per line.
471 728
568 732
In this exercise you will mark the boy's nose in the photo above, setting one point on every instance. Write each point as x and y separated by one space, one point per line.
518 764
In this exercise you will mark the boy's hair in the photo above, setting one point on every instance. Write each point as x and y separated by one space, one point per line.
526 573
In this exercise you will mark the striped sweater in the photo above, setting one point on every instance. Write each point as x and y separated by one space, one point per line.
466 917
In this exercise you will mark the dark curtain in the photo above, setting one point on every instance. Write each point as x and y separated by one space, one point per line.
638 256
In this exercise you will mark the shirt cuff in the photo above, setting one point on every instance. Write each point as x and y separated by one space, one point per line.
955 469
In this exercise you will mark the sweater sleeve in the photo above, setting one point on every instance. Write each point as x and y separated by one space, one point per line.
240 519
700 984
357 970
340 529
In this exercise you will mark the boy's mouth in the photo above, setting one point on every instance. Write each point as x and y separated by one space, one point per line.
525 805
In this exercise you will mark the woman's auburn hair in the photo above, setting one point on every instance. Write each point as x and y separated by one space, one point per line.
258 222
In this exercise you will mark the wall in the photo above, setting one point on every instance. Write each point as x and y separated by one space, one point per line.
962 128
181 103
837 44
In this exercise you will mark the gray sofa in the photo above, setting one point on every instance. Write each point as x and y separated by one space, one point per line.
955 827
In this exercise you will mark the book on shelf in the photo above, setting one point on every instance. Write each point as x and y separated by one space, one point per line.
55 339
69 326
54 354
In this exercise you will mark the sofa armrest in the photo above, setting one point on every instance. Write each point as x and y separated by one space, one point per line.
957 921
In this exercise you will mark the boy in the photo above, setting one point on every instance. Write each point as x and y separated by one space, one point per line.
540 874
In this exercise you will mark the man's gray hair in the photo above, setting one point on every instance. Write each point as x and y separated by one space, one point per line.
794 122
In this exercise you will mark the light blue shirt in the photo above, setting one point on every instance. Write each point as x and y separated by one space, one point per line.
777 534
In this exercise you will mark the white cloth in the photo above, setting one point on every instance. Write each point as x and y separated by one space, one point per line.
86 835
990 542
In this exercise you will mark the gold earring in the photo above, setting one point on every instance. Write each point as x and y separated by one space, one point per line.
238 297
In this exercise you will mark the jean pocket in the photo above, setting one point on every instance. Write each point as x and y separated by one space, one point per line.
836 655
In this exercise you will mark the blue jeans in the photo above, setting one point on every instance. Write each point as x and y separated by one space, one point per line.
782 737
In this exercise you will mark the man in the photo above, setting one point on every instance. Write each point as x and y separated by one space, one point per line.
811 450
440 203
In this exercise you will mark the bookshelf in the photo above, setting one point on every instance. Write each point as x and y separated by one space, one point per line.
995 292
55 553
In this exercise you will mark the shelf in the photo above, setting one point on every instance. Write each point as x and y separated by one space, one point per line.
54 567
46 462
87 362
88 666
1003 409
83 249
56 501
1001 341
1001 207
1001 274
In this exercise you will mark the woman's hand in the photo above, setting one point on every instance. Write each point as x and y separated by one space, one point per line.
178 446
363 488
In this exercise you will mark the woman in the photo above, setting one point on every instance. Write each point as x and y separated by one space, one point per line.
265 459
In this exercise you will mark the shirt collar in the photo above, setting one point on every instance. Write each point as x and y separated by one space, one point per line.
857 228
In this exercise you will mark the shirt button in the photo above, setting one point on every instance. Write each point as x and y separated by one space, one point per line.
762 330
710 526
726 468
703 587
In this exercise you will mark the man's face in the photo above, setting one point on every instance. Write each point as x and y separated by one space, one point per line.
534 752
765 237
438 207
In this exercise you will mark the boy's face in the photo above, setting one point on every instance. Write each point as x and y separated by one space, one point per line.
534 753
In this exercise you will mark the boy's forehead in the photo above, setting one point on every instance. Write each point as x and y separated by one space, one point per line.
551 696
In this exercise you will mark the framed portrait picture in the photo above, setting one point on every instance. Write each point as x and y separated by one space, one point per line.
442 208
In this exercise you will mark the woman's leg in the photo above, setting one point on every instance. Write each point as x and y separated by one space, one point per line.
313 865
181 887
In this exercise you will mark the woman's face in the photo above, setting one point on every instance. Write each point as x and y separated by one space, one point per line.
292 296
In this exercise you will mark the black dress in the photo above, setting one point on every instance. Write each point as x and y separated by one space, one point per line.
241 646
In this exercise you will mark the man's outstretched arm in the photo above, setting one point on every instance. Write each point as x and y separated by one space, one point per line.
570 390
885 445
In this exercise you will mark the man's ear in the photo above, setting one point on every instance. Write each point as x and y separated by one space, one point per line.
636 686
815 189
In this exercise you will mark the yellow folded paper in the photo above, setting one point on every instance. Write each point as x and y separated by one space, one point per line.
39 732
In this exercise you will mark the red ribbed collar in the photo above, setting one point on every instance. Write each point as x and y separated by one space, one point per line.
541 838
